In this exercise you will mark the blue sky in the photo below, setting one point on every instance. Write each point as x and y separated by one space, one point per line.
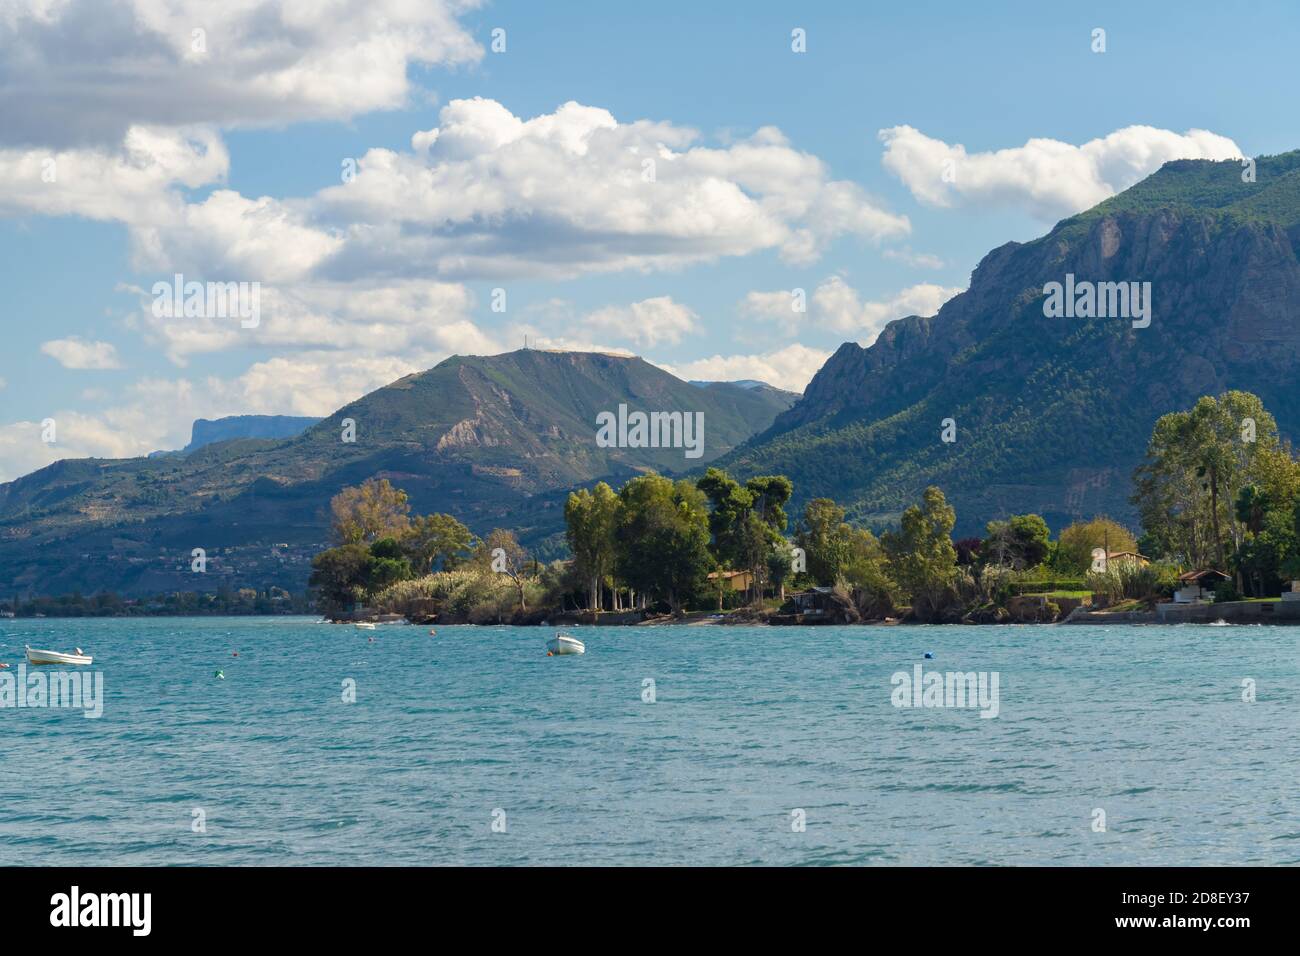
225 164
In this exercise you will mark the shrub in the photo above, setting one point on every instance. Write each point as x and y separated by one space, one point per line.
1131 582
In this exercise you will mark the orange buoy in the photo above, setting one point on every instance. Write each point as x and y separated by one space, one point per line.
549 654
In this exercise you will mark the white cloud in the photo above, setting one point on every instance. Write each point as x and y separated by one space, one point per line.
566 193
81 353
83 71
791 367
836 306
131 182
1046 177
918 260
647 323
228 236
780 307
158 414
362 318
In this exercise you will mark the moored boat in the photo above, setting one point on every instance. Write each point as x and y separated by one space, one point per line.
563 644
57 657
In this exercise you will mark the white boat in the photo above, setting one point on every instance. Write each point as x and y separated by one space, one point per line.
57 657
365 625
563 644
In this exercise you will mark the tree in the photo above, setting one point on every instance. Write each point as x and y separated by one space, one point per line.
437 542
921 553
821 533
1078 541
386 565
1197 463
369 511
589 527
1022 541
746 523
340 576
662 536
501 553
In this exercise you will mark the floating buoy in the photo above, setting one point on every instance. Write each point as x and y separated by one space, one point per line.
234 653
549 654
372 640
220 675
929 656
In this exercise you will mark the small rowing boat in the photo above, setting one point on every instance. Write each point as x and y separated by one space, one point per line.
365 625
563 644
57 657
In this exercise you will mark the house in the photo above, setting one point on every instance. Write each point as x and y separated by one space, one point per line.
813 603
1116 559
733 580
1197 587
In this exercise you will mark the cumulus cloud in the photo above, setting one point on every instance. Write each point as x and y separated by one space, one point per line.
489 194
917 260
486 194
791 367
1045 177
836 306
81 353
364 318
157 414
84 71
133 181
649 322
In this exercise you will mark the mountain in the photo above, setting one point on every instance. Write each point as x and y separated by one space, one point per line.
488 439
207 431
1052 414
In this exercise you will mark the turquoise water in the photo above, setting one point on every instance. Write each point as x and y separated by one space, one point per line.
748 725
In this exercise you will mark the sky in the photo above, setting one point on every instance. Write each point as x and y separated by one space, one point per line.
729 190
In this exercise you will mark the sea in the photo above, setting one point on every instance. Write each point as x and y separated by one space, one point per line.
287 741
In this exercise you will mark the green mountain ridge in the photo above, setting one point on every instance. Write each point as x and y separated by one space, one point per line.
477 437
1052 414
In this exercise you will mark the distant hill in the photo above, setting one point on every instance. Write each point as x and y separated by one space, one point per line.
1052 414
207 431
484 438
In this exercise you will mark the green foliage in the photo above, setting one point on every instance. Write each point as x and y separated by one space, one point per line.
921 553
662 534
1197 465
1128 581
437 542
746 522
1022 541
339 575
825 539
590 518
369 511
1077 542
